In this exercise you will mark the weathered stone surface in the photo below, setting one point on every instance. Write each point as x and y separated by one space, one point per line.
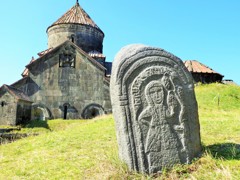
155 109
86 37
8 111
14 107
67 75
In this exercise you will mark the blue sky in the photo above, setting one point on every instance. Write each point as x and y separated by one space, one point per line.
206 30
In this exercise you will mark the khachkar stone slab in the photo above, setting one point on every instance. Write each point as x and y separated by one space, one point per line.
155 109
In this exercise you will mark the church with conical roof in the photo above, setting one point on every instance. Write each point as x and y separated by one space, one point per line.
69 80
77 26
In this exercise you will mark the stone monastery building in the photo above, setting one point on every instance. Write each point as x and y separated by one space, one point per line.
68 80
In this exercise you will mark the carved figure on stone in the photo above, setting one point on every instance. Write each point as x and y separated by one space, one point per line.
159 142
155 109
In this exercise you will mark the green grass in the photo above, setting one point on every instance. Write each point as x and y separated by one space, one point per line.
88 149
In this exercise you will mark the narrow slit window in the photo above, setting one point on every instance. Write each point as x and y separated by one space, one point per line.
73 38
3 103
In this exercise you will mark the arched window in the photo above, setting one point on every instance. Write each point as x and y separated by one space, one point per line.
92 111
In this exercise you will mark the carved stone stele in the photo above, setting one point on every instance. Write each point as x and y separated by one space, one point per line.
155 109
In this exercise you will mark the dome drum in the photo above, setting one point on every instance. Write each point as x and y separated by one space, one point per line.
86 37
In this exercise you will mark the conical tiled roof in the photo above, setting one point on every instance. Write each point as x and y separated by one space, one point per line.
76 15
194 66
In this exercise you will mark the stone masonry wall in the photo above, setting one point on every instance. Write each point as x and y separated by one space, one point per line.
23 112
86 37
107 101
77 87
8 111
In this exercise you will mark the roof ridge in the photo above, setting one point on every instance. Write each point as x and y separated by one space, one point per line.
205 66
23 78
198 67
19 94
77 47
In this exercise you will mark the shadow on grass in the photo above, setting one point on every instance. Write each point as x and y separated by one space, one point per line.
37 124
228 151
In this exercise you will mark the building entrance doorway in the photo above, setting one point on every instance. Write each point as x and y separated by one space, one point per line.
65 112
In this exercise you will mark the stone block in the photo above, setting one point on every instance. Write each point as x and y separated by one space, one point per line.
155 109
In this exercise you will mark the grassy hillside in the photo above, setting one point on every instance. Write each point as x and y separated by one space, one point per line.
88 149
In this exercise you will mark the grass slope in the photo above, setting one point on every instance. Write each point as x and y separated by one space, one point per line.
88 149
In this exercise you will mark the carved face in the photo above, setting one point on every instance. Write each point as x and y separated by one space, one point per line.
155 93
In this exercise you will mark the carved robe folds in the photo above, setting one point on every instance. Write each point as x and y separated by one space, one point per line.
155 109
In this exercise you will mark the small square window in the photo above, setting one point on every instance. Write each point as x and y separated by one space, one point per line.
67 60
